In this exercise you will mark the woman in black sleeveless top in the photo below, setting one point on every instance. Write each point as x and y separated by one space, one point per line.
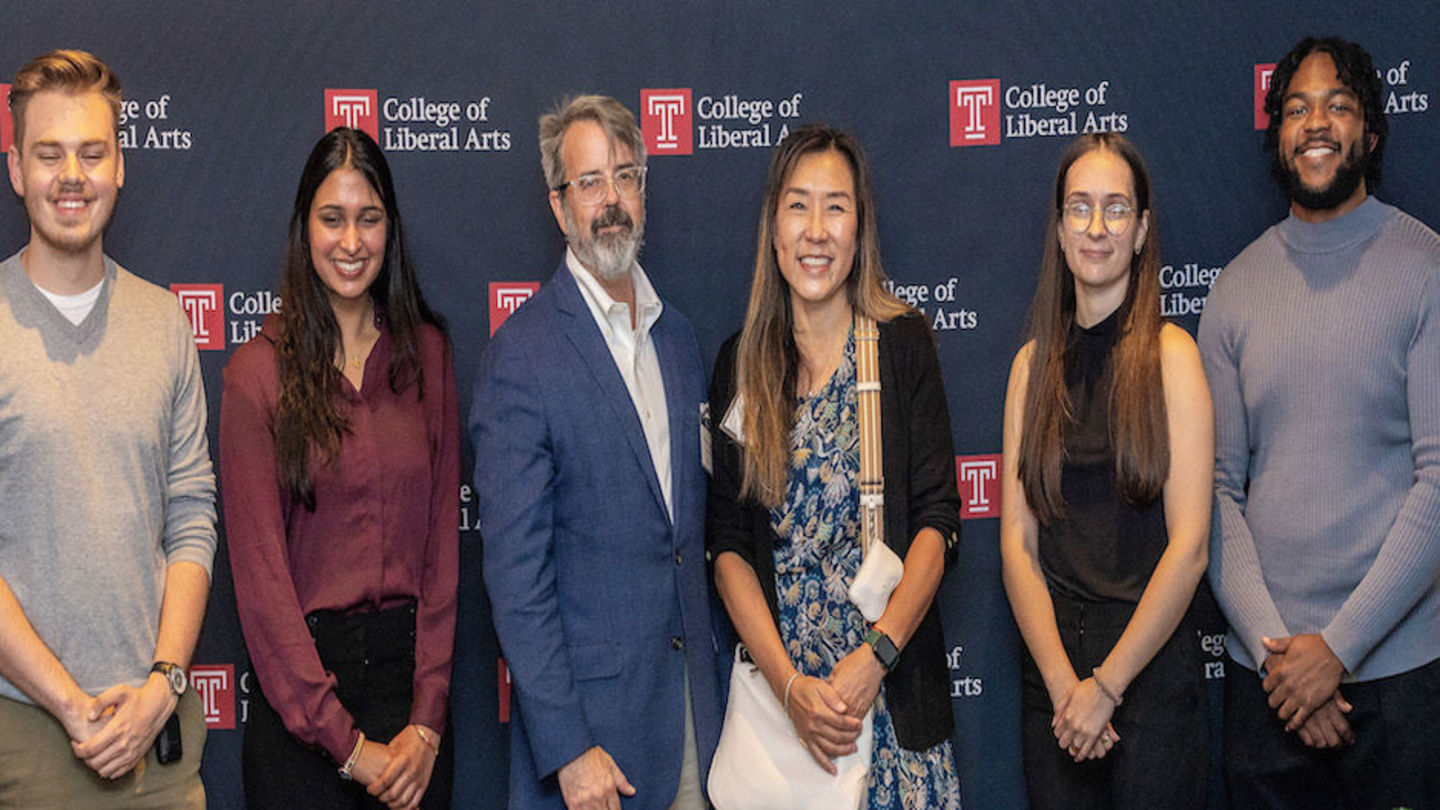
1106 506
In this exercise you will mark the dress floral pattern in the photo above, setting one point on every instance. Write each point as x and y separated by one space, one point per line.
815 561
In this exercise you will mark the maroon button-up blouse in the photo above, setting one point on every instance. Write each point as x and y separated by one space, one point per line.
385 529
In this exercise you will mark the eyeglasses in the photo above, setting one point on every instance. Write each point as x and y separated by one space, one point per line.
592 188
1079 214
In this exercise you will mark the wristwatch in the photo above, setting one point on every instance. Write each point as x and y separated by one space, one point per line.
883 647
174 676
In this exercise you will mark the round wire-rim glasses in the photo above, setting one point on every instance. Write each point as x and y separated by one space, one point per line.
1117 216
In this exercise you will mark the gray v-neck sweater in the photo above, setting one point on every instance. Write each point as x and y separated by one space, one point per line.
105 475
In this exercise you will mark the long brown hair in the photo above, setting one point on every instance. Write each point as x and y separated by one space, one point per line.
1137 397
767 359
306 416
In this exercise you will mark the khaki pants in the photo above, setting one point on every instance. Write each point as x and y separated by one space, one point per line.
39 770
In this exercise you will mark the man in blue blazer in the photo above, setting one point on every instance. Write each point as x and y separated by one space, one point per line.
586 423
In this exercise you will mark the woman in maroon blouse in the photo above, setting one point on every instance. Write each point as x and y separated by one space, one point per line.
340 468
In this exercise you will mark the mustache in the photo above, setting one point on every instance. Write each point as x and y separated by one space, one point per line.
612 215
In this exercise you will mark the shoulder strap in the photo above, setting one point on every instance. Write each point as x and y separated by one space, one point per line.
872 475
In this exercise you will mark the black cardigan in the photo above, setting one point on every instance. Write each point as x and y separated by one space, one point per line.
920 493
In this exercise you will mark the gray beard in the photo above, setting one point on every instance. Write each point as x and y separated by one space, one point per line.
609 257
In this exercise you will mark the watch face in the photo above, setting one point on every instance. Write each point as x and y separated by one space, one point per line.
884 649
174 675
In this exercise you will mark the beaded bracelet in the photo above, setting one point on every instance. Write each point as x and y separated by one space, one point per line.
1105 690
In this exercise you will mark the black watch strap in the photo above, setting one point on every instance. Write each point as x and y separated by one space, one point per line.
883 647
174 676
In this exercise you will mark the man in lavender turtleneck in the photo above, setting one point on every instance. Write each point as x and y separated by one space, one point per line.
1321 341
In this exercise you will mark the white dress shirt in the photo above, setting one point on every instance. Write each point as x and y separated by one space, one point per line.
634 355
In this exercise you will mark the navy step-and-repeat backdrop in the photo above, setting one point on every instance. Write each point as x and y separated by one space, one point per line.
965 108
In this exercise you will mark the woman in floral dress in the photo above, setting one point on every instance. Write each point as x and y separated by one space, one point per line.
784 503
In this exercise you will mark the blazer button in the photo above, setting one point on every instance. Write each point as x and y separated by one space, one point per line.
678 558
677 643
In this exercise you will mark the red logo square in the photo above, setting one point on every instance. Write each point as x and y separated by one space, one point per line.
7 127
1262 86
975 112
506 297
978 478
357 109
215 684
665 118
203 306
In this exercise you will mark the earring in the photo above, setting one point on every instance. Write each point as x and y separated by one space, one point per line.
1137 248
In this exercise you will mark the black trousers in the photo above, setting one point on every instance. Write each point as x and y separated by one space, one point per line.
1395 761
1163 757
372 656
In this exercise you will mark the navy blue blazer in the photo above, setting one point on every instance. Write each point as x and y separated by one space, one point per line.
599 599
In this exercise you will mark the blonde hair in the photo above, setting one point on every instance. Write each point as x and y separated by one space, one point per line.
66 71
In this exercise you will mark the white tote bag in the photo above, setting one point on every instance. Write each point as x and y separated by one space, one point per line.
760 763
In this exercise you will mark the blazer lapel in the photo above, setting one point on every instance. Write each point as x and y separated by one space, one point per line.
580 329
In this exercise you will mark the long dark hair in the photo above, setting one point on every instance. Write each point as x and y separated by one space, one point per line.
307 416
1138 427
767 359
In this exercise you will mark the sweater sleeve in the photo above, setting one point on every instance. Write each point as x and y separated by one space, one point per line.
727 519
435 615
934 499
281 649
190 479
1408 562
1234 570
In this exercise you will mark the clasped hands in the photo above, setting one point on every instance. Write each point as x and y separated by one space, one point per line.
1081 722
1302 677
112 731
828 713
398 772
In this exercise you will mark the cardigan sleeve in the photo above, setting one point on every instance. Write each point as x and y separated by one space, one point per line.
934 502
733 523
727 524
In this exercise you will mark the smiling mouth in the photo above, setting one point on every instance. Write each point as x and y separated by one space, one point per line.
349 267
1318 150
815 262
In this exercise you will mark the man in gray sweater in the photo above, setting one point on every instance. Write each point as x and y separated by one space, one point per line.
1321 341
106 486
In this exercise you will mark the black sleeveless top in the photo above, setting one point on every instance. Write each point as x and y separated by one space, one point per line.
1103 549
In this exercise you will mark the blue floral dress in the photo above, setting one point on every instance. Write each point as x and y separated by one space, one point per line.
815 561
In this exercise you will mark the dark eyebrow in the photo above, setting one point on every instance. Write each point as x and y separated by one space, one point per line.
338 207
1329 94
